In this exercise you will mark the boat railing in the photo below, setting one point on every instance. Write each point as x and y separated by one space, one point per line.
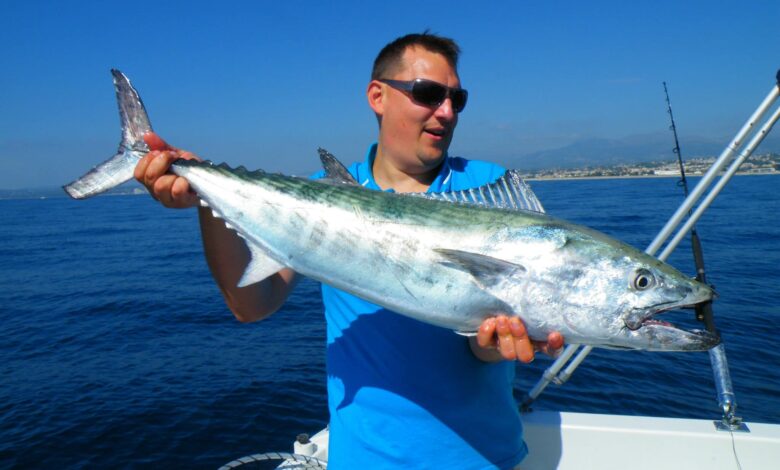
557 374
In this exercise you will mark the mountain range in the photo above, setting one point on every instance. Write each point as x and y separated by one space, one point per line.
602 152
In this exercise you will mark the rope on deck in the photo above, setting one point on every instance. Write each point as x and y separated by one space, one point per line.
290 461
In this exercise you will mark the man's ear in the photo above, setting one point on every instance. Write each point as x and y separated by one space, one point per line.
376 97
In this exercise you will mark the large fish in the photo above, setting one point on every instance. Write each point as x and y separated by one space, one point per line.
451 260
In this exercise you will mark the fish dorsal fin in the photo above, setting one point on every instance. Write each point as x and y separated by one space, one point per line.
487 271
335 171
260 266
507 192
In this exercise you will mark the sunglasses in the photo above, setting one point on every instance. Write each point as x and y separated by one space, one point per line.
430 93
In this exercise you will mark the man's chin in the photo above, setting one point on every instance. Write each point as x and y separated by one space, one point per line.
432 156
431 160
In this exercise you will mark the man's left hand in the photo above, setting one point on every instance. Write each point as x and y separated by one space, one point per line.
502 337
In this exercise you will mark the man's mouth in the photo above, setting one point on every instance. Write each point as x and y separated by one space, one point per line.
436 132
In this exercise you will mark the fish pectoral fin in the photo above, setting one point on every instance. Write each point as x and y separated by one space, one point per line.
335 171
260 267
487 271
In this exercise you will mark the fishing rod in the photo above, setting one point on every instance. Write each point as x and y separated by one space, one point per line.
704 313
717 355
703 310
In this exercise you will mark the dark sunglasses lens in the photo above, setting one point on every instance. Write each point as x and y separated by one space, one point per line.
429 93
458 98
434 94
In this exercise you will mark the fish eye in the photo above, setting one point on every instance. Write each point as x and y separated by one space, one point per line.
643 279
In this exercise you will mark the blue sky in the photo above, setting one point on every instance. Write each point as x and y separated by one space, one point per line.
264 84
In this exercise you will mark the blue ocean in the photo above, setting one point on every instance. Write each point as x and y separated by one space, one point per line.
117 351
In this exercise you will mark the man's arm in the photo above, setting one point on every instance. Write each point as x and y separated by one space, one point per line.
226 253
227 256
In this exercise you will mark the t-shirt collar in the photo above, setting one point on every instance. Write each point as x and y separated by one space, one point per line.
365 176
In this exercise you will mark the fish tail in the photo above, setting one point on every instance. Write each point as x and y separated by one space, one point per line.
119 168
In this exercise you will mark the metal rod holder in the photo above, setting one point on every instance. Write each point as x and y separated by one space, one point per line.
726 398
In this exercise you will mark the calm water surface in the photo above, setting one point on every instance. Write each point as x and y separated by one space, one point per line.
117 351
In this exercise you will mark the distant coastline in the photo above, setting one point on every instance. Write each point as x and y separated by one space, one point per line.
767 164
128 189
622 177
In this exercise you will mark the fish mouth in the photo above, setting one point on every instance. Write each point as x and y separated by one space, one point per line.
663 335
666 337
639 318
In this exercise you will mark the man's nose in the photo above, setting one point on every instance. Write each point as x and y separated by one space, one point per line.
445 111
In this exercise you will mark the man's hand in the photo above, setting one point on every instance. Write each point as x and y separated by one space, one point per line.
152 171
506 338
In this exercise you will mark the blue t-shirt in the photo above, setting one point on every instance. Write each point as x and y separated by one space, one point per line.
405 394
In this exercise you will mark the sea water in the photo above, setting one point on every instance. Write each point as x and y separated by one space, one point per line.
116 349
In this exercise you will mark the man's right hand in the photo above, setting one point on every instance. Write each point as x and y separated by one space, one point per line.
152 171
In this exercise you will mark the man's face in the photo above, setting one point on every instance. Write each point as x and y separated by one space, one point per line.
414 136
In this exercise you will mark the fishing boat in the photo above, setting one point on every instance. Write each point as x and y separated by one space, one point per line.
565 440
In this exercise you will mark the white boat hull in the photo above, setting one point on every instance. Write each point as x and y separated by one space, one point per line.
598 441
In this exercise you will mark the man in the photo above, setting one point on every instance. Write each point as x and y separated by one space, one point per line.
401 393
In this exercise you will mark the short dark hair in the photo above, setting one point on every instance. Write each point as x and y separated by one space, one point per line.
389 58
